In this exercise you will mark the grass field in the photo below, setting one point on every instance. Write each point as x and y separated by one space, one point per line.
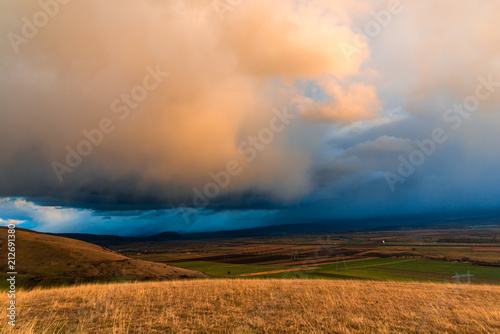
46 260
451 251
385 269
412 269
259 306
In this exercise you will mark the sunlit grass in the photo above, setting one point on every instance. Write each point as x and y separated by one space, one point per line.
259 306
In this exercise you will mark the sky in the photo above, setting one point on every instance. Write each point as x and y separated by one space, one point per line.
134 118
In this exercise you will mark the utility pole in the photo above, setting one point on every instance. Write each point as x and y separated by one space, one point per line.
457 277
343 259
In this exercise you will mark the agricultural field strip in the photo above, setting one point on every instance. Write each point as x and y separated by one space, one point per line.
278 271
378 264
219 268
432 244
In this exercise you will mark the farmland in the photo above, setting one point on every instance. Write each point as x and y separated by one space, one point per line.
361 282
402 256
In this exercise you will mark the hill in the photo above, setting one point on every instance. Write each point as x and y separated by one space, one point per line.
259 306
47 260
114 240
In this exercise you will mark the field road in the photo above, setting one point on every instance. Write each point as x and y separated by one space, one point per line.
277 271
311 268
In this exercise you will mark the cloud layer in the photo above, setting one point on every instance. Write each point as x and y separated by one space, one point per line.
254 106
226 77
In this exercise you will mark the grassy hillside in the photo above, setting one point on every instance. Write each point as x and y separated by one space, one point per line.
48 260
259 306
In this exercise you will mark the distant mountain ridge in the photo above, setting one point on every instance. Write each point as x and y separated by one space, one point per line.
114 240
284 229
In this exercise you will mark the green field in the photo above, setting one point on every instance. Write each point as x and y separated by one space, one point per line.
383 269
443 267
450 251
406 270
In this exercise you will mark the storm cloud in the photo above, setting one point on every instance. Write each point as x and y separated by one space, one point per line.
262 110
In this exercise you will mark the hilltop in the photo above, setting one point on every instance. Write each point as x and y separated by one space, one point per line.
48 260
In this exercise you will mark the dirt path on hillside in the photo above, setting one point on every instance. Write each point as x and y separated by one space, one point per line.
277 271
384 264
353 260
318 263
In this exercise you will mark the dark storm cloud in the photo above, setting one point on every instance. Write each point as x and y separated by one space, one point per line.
354 120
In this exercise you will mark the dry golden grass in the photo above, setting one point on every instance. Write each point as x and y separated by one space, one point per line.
259 306
46 257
